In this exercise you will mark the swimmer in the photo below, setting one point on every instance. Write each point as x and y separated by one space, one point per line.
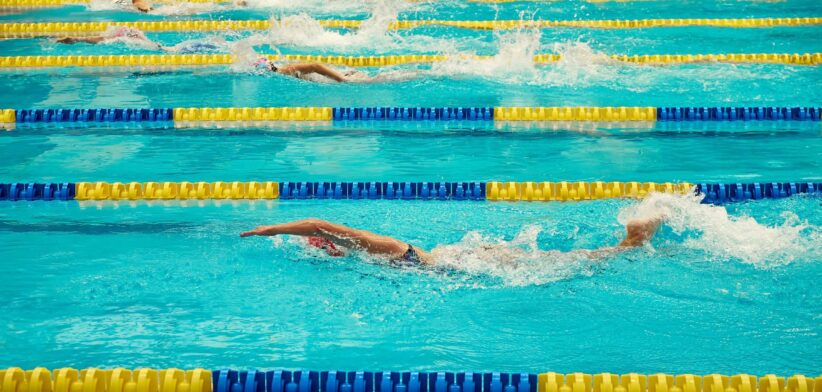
302 70
112 33
135 35
299 71
335 239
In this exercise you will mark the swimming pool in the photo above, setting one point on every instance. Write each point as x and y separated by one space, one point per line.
168 283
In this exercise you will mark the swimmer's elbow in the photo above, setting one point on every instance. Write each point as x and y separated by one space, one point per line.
316 225
317 68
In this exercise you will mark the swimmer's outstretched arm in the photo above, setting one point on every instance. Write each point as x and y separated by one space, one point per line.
316 68
338 234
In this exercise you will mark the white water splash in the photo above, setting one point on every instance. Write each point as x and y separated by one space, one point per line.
164 9
303 30
580 65
109 5
210 44
514 62
333 7
244 57
518 262
712 230
188 8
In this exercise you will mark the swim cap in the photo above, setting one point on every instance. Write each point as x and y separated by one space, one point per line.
264 64
326 245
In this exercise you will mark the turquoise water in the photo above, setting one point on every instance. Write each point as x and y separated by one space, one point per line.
171 285
163 285
775 152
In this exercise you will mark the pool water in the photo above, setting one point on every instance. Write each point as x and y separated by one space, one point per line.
731 289
164 285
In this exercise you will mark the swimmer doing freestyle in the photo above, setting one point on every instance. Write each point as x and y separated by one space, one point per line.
145 6
336 239
301 70
125 32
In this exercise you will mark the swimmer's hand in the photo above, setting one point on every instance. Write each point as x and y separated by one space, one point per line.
260 230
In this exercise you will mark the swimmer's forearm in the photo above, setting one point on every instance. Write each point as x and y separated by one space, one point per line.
328 72
305 228
301 228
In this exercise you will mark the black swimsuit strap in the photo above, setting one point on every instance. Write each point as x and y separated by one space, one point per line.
411 255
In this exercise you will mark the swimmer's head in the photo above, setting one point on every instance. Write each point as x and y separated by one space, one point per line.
264 64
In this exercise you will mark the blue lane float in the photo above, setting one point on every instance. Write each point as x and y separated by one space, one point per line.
365 381
383 190
18 191
738 114
94 115
414 113
723 193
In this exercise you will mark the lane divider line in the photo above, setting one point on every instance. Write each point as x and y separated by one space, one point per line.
230 380
376 190
186 116
189 60
25 30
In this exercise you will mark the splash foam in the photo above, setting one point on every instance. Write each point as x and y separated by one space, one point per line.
711 229
580 64
518 262
374 34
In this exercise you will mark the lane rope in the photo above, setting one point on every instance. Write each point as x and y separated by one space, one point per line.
228 380
189 60
24 30
717 193
251 115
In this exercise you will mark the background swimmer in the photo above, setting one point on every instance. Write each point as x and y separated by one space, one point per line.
133 35
305 70
169 8
335 239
